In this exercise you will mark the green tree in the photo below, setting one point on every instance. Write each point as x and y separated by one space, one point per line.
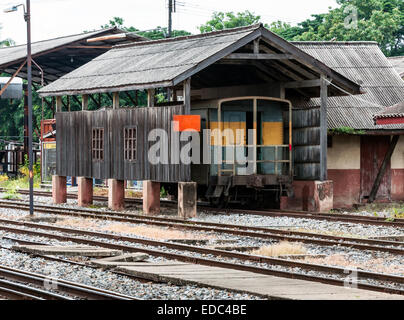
155 34
377 20
221 20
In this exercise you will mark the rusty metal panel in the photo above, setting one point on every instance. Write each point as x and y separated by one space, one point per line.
373 151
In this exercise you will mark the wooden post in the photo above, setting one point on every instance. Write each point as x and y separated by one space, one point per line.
383 168
150 97
282 92
59 104
257 46
115 100
69 107
323 129
84 102
187 95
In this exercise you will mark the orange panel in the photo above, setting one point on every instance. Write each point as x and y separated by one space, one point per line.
187 123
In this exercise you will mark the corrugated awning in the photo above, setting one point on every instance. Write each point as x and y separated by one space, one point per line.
57 57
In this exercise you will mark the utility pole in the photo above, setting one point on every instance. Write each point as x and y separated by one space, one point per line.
27 17
171 9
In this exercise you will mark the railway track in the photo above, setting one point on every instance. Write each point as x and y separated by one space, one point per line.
393 247
197 255
367 220
19 284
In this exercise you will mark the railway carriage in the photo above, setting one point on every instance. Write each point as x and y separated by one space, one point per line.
245 167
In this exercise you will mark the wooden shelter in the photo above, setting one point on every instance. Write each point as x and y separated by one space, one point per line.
248 61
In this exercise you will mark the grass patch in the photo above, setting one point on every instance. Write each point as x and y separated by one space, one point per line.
280 249
11 194
153 233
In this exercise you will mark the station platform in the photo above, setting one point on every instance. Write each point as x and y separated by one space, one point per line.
266 286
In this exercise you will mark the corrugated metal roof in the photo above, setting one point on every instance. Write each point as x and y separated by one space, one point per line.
10 54
167 62
154 62
364 63
12 57
398 64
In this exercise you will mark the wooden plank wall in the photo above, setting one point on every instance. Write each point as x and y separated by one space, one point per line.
306 144
74 136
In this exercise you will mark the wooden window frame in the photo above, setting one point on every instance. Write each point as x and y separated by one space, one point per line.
130 144
98 144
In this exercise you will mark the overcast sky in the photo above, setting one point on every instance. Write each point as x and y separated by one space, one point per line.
55 18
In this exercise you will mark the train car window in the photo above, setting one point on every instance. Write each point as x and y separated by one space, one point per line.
98 144
130 148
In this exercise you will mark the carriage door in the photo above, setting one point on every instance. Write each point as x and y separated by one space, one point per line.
233 147
373 151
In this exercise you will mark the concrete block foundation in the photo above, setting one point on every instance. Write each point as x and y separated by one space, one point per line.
85 192
59 189
313 196
116 195
151 197
187 199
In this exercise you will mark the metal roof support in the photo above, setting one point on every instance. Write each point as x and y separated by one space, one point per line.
12 78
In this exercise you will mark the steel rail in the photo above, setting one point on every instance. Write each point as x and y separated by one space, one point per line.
246 231
216 253
349 218
71 288
20 291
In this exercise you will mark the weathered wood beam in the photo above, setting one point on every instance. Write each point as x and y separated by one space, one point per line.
115 101
59 104
323 129
257 45
302 84
258 56
187 95
84 102
150 97
382 170
292 65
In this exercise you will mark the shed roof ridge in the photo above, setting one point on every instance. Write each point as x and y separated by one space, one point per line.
373 43
193 36
64 37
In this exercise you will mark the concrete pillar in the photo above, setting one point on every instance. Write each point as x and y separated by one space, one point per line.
59 189
85 193
313 196
151 197
116 195
187 199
